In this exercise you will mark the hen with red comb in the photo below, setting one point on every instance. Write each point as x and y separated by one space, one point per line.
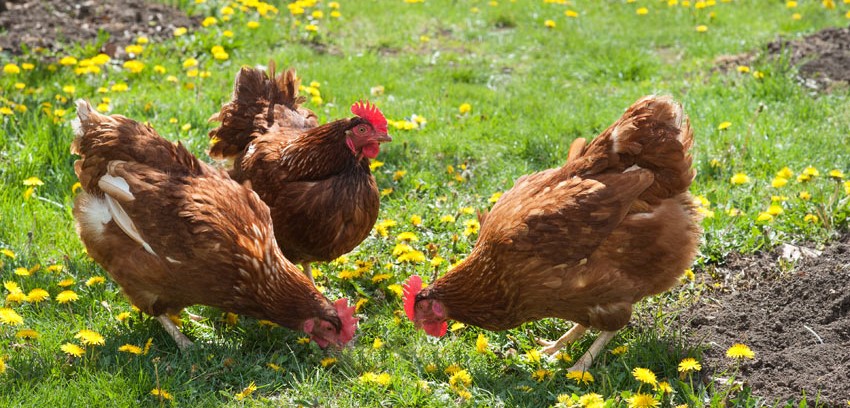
316 179
581 242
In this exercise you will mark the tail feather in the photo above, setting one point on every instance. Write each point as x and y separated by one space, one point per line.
260 100
653 134
101 139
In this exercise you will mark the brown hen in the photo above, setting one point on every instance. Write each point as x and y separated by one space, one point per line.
174 232
582 242
316 179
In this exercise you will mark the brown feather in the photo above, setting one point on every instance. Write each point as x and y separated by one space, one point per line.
585 241
211 238
324 200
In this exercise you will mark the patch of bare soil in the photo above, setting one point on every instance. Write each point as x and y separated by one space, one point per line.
823 58
796 320
58 24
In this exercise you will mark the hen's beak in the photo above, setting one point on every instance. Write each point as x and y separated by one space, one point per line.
384 138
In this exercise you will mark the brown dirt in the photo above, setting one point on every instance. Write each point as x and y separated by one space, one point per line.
822 58
796 318
58 25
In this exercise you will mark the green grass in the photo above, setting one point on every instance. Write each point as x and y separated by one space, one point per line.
532 90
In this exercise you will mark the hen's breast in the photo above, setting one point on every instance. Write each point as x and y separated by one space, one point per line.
321 220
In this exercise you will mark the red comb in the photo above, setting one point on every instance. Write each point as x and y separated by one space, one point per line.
370 112
411 288
349 322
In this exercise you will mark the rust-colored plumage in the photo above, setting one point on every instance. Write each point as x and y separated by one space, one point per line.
174 232
582 242
316 179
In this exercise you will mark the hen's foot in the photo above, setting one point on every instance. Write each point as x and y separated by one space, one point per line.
552 347
183 342
584 363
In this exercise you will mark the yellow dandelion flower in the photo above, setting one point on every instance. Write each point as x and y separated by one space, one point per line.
642 401
407 236
148 345
564 356
740 351
779 182
377 344
689 364
134 66
451 369
21 271
785 173
481 344
72 349
447 219
533 356
246 391
209 21
274 366
580 377
836 174
811 171
644 375
702 28
360 303
571 13
90 337
811 218
11 69
28 334
396 289
846 187
790 4
95 280
724 125
162 394
416 220
805 195
33 181
328 361
369 377
460 377
11 286
764 217
10 317
541 374
37 295
775 210
739 178
664 387
549 23
592 400
66 282
642 11
381 277
8 253
67 296
122 316
16 297
620 350
68 61
456 326
129 348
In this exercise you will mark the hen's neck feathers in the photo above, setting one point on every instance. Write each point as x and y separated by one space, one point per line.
321 152
270 287
472 293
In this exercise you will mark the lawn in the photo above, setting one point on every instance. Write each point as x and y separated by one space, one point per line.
478 93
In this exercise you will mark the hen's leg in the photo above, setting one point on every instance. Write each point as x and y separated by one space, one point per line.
551 347
182 341
308 270
595 349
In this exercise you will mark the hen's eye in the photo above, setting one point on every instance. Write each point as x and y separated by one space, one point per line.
361 129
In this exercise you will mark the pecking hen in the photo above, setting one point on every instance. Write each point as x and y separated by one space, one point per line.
582 242
316 179
174 232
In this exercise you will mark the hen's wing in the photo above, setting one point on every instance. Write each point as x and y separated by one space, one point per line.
561 220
